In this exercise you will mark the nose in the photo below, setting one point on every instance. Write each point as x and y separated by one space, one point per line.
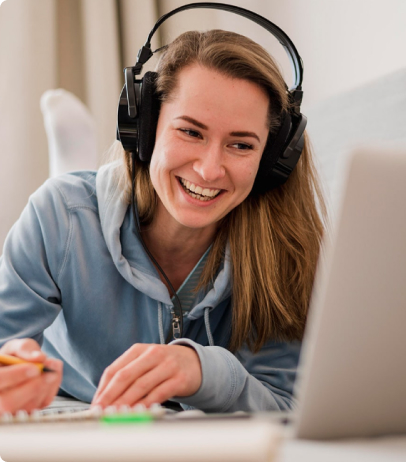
210 163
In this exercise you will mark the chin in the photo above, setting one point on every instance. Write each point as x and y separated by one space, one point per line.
193 222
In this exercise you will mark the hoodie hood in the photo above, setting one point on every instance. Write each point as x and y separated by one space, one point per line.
128 254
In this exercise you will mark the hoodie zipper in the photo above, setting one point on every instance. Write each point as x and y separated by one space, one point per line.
175 325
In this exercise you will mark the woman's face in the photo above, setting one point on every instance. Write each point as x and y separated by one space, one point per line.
209 142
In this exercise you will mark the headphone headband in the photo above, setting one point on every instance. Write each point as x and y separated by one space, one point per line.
145 52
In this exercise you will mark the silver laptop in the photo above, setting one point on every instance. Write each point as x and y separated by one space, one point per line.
352 375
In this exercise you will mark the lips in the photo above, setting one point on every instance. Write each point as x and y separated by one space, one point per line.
197 192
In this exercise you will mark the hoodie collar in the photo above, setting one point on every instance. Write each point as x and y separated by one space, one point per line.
127 252
118 231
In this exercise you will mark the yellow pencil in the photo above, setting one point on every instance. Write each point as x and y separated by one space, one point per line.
8 360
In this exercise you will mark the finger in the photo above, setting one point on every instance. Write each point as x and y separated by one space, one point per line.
26 348
123 379
52 382
144 356
55 365
166 390
47 391
16 398
143 386
34 395
128 356
54 379
13 376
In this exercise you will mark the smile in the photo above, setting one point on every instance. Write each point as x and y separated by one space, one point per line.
197 192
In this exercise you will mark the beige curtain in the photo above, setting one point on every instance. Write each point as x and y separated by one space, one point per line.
27 69
78 45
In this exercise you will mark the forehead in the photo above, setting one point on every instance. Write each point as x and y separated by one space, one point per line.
209 94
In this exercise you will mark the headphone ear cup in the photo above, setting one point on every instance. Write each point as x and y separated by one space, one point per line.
274 148
148 116
281 153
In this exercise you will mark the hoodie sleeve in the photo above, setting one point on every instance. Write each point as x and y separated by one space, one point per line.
245 381
31 261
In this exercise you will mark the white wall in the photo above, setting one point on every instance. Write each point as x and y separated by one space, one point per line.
343 43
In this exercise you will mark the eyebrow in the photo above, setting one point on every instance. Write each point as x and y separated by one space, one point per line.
193 121
205 127
245 134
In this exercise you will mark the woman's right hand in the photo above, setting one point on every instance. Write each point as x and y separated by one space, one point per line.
23 386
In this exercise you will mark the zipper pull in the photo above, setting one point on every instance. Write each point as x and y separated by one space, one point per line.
175 327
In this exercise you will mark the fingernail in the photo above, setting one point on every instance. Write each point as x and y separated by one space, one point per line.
33 372
36 354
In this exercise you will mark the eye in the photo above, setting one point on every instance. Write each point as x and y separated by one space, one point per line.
191 133
242 146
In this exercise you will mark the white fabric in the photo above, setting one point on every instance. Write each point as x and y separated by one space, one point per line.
71 132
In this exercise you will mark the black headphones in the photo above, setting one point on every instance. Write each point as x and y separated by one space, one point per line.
138 108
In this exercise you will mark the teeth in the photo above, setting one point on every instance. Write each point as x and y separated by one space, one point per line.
197 192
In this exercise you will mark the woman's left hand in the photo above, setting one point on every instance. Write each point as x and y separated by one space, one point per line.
149 373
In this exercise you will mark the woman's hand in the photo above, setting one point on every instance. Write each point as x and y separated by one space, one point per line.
23 386
149 373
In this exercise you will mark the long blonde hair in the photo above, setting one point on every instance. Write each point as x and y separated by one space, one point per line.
274 237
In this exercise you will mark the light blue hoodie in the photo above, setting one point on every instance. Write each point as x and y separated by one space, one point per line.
74 277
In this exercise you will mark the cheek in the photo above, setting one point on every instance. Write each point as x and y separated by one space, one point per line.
153 166
160 161
165 160
245 176
169 155
157 171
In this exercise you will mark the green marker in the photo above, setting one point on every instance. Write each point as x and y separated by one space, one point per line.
130 418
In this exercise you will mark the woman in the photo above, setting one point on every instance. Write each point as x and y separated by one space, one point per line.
78 280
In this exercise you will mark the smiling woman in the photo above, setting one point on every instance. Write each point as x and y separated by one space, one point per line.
227 98
190 282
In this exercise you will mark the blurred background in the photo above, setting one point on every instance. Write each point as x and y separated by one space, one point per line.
83 45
